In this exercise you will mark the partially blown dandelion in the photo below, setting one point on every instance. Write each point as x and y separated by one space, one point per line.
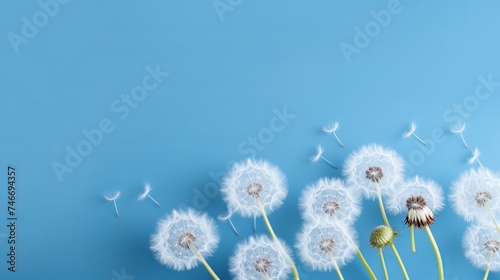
323 246
459 129
145 193
254 188
475 158
259 258
319 155
113 197
481 244
411 132
183 239
476 195
331 129
330 200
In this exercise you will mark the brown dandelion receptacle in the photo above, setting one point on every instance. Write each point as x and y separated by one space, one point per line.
331 207
262 265
254 189
374 174
482 198
418 215
492 245
186 240
326 245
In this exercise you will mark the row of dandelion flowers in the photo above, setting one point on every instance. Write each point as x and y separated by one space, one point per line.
329 207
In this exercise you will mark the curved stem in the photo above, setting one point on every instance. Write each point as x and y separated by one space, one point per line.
419 139
400 261
278 243
412 237
381 254
154 200
204 262
493 216
381 205
254 223
336 137
463 139
487 272
436 251
234 228
116 209
368 268
334 262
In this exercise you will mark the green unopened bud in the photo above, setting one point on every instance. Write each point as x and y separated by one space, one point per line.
382 236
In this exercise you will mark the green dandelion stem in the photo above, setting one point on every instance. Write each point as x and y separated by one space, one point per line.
204 262
436 251
381 254
381 205
412 237
400 261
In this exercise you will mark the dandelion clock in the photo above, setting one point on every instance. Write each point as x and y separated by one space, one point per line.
481 245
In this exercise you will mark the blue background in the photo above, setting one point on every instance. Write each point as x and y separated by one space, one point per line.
228 76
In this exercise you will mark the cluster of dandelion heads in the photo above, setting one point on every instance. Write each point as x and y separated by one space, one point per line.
388 161
250 179
177 233
317 240
330 200
257 258
414 187
481 244
474 192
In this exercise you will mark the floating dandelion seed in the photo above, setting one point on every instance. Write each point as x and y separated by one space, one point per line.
481 245
459 129
475 195
383 236
183 239
259 258
319 155
415 187
330 199
228 218
331 129
147 190
411 132
255 188
475 158
113 197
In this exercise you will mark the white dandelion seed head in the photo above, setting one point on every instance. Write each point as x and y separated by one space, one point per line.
457 128
250 178
472 190
317 155
112 196
358 162
479 242
257 256
177 232
330 199
410 132
331 128
317 239
415 186
474 157
144 194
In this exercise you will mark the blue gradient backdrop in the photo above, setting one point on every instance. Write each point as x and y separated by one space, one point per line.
229 75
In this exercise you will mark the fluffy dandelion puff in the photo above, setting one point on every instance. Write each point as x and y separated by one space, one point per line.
317 240
113 197
459 128
259 258
145 193
475 194
481 245
330 199
428 189
250 179
359 162
179 235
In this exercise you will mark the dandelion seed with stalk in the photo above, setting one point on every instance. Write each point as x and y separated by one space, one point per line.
113 197
259 258
184 239
475 196
383 236
475 158
459 129
411 132
331 129
319 155
481 245
145 193
255 188
326 245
